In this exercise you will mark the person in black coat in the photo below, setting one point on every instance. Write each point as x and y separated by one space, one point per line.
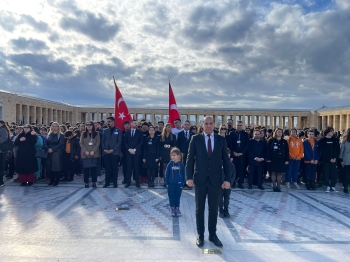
167 142
257 152
183 141
71 155
133 141
54 144
26 164
224 200
239 142
151 155
207 155
277 154
112 139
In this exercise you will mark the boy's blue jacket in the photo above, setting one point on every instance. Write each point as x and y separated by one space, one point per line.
175 173
308 153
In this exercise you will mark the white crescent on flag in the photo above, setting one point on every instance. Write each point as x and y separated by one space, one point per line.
120 100
173 107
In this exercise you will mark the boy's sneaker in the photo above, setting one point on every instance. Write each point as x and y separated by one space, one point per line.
334 190
177 211
296 185
328 189
172 211
287 185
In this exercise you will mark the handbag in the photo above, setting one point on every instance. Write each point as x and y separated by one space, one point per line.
89 162
7 146
41 153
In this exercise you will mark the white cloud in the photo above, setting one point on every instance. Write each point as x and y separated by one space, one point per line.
219 53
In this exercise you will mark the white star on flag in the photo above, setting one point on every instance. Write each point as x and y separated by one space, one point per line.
121 115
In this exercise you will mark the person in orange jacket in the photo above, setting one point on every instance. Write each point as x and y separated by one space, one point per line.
296 153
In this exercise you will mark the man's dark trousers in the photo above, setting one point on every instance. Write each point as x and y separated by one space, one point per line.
213 193
111 167
133 167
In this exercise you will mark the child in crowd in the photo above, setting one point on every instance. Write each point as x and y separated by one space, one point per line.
175 180
224 199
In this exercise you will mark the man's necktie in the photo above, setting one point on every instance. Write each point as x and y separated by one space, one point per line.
209 146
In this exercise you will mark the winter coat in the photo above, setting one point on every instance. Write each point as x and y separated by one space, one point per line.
345 152
26 162
55 159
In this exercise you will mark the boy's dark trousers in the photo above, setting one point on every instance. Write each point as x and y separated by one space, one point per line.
68 167
224 199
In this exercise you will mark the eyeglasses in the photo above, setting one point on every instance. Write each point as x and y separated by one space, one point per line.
223 128
88 125
26 127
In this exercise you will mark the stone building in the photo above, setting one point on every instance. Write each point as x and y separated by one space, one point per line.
18 107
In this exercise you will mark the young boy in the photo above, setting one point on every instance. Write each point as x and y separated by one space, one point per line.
224 199
175 180
71 155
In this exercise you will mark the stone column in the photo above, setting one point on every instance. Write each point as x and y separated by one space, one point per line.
290 122
39 115
298 122
25 111
32 113
197 120
347 121
44 114
19 114
50 115
54 115
243 120
274 124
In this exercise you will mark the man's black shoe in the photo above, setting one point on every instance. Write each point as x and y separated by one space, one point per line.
138 185
346 190
261 187
105 185
123 182
226 213
115 186
250 187
215 240
200 241
127 185
241 186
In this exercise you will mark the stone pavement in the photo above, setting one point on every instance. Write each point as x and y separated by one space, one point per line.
72 223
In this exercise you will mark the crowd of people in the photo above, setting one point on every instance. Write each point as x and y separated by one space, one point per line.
56 153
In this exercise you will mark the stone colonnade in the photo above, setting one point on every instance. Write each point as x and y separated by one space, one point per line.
269 119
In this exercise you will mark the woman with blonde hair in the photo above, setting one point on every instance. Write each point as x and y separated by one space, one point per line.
54 145
277 154
167 142
345 158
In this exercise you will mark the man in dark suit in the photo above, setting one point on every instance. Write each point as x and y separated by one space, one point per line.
207 155
182 142
133 141
256 151
239 142
112 139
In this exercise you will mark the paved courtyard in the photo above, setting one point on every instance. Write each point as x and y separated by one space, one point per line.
72 223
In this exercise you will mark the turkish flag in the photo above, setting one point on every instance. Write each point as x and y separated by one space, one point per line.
121 111
173 112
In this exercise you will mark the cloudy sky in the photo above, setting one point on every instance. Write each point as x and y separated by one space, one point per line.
226 53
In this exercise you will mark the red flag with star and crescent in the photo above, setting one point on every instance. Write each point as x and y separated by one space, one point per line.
121 111
173 111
